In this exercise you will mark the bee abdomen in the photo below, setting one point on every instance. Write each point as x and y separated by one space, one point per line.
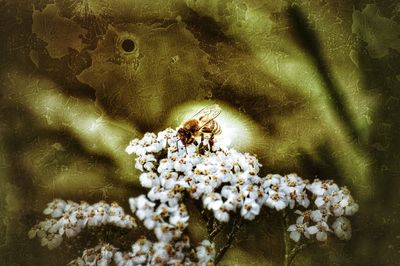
217 128
212 127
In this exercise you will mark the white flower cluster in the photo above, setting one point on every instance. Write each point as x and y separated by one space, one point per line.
180 252
331 203
224 180
166 220
69 218
227 181
101 255
144 252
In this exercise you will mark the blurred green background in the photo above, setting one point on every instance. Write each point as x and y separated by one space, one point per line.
311 87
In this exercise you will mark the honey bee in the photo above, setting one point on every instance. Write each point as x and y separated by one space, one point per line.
202 122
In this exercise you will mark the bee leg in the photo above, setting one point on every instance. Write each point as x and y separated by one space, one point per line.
202 141
211 141
200 147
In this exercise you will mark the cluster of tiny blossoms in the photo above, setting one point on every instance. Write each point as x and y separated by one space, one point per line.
227 181
332 204
68 218
145 252
223 179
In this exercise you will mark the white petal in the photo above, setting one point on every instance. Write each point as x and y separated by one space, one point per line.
351 209
132 204
312 230
280 205
319 202
221 216
316 216
149 223
321 236
32 233
295 235
292 227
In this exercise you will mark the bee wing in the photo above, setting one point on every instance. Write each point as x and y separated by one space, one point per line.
207 114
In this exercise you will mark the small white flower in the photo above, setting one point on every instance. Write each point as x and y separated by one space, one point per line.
295 231
182 166
221 214
140 250
164 232
320 230
205 252
300 228
144 207
33 232
212 201
156 193
149 179
271 180
51 241
145 162
71 231
168 179
132 147
351 209
316 215
337 209
55 208
229 192
277 200
141 246
77 262
107 250
98 215
179 217
160 256
304 217
166 165
47 224
122 259
342 228
316 188
322 188
302 199
250 209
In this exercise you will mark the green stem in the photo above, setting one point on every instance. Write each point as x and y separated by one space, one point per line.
296 250
237 223
290 251
286 239
210 224
216 230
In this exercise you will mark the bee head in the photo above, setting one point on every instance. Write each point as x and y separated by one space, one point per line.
188 134
184 135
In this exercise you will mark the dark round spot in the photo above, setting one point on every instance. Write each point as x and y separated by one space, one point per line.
128 45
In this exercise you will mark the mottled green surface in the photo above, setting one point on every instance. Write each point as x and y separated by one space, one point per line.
314 86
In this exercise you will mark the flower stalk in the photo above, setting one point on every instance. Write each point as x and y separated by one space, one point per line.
236 224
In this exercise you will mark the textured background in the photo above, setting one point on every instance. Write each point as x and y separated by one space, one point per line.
314 85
